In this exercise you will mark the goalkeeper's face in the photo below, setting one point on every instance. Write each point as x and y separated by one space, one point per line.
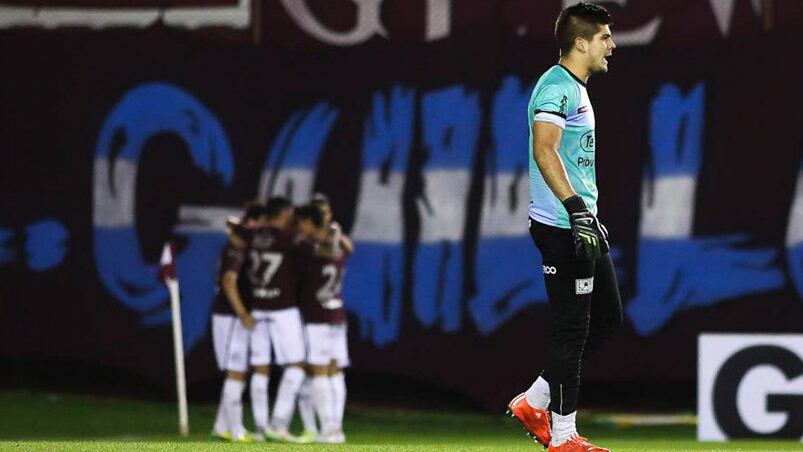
599 49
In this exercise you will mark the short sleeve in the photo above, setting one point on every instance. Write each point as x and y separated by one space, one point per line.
303 253
245 234
551 104
233 259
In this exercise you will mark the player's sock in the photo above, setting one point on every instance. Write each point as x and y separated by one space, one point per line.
324 404
338 382
233 406
259 399
286 395
306 407
538 394
563 428
220 419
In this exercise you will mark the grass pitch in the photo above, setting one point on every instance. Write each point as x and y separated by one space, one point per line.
54 422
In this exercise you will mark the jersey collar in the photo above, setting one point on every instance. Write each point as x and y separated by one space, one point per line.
573 76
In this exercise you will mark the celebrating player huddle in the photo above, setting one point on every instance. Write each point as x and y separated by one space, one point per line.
279 296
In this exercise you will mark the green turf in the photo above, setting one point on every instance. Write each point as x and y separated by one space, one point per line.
47 422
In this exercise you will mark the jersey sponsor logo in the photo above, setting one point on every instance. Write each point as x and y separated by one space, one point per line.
550 270
582 109
588 163
584 286
260 241
587 140
267 293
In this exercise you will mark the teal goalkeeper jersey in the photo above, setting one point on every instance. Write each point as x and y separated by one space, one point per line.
561 99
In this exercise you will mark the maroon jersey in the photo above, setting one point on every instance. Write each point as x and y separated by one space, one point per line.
339 313
320 296
271 269
231 259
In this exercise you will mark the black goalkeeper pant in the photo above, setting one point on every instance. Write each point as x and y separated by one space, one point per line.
585 309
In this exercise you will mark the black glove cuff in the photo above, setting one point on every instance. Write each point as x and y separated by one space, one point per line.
574 204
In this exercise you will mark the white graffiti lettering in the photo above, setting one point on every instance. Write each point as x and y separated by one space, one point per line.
368 22
238 16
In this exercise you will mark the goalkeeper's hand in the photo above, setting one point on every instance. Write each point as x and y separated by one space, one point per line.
590 237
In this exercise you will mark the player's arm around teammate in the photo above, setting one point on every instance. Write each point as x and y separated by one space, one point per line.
317 278
339 239
272 277
232 324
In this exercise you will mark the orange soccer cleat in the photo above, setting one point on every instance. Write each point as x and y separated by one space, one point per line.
577 444
534 420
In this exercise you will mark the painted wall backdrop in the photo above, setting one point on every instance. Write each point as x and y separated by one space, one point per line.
116 136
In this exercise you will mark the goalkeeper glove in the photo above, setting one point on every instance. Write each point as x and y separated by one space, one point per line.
590 236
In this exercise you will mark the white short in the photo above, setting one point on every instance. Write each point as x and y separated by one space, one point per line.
319 343
230 339
281 331
340 345
327 343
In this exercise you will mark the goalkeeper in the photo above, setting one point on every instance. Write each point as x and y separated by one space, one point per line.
578 271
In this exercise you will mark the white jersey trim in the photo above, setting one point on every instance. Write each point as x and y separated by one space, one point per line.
551 118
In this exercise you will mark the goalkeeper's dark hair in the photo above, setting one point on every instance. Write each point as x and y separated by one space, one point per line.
310 212
583 20
276 206
254 211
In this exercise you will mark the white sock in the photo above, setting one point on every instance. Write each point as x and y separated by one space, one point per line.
286 395
233 406
221 426
563 428
259 399
306 407
338 382
324 404
538 394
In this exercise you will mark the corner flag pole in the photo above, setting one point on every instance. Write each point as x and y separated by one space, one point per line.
168 273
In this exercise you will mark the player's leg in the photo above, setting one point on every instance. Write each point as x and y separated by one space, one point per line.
570 304
230 340
337 382
605 318
234 361
306 408
220 430
289 385
320 354
570 287
531 407
233 388
569 284
606 306
220 327
221 331
260 378
287 337
306 402
340 355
